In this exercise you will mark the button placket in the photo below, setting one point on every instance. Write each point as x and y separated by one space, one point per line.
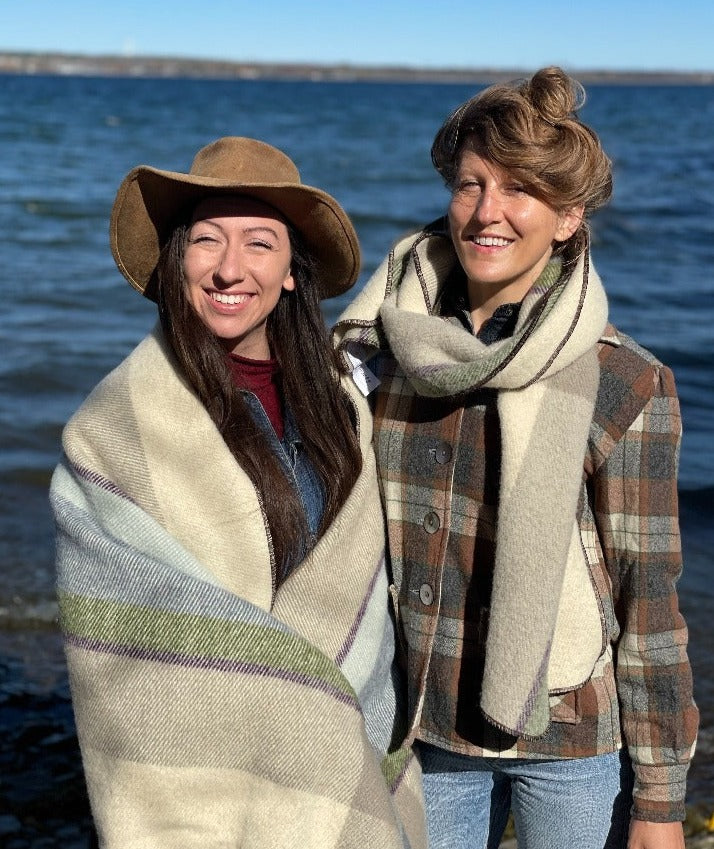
440 453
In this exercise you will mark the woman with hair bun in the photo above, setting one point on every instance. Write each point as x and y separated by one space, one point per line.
527 452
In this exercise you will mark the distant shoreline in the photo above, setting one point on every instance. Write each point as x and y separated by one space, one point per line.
72 64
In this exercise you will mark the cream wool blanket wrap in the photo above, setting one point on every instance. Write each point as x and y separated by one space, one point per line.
211 710
545 632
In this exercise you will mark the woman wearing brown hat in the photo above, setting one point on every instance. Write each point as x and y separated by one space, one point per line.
220 545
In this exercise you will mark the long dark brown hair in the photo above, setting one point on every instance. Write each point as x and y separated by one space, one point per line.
311 390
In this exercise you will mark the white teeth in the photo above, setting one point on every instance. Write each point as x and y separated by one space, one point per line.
229 299
491 241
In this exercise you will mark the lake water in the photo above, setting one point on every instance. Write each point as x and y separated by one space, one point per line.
67 317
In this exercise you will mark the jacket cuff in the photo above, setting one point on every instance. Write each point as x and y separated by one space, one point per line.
659 792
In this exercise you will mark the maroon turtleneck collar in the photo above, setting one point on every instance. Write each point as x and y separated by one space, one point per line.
262 378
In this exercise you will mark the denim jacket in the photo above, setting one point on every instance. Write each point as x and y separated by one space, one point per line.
298 469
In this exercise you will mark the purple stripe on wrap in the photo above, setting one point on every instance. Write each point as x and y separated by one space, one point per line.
100 481
219 664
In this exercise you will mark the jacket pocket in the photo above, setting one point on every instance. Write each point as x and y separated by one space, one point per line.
564 708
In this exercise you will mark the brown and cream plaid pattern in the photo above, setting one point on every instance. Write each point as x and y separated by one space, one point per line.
440 461
640 692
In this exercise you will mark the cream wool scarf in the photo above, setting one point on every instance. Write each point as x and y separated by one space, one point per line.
545 631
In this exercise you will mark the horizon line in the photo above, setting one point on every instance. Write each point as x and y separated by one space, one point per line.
68 63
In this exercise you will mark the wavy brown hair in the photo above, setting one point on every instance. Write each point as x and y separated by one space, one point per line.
531 129
308 369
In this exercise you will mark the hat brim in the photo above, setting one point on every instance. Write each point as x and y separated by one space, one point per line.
150 203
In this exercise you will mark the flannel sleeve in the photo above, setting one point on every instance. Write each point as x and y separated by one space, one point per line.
637 513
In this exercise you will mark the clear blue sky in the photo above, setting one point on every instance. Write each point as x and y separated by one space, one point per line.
522 34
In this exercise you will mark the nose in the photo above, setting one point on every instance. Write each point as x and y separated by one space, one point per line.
231 264
488 207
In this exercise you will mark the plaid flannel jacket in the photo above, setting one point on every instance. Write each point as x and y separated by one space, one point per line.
439 469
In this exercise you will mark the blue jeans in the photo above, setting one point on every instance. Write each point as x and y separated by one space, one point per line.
580 803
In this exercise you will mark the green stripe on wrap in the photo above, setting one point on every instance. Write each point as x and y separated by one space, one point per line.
188 635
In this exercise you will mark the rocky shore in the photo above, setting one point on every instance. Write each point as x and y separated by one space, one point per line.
43 803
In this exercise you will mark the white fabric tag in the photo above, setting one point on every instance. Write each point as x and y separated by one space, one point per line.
365 379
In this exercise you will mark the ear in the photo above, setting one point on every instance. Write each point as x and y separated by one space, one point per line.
289 282
568 223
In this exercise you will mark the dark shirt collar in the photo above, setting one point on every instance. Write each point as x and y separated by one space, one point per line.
453 302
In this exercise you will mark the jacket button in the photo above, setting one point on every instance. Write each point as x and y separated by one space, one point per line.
442 454
431 523
426 594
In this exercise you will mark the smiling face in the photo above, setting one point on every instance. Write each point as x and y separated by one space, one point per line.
503 236
237 261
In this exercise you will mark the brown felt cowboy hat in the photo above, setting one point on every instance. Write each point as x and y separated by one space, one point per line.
150 203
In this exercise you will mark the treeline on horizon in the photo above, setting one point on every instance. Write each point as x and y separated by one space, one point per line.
166 66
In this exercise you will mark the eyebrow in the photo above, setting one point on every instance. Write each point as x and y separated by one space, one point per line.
259 228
